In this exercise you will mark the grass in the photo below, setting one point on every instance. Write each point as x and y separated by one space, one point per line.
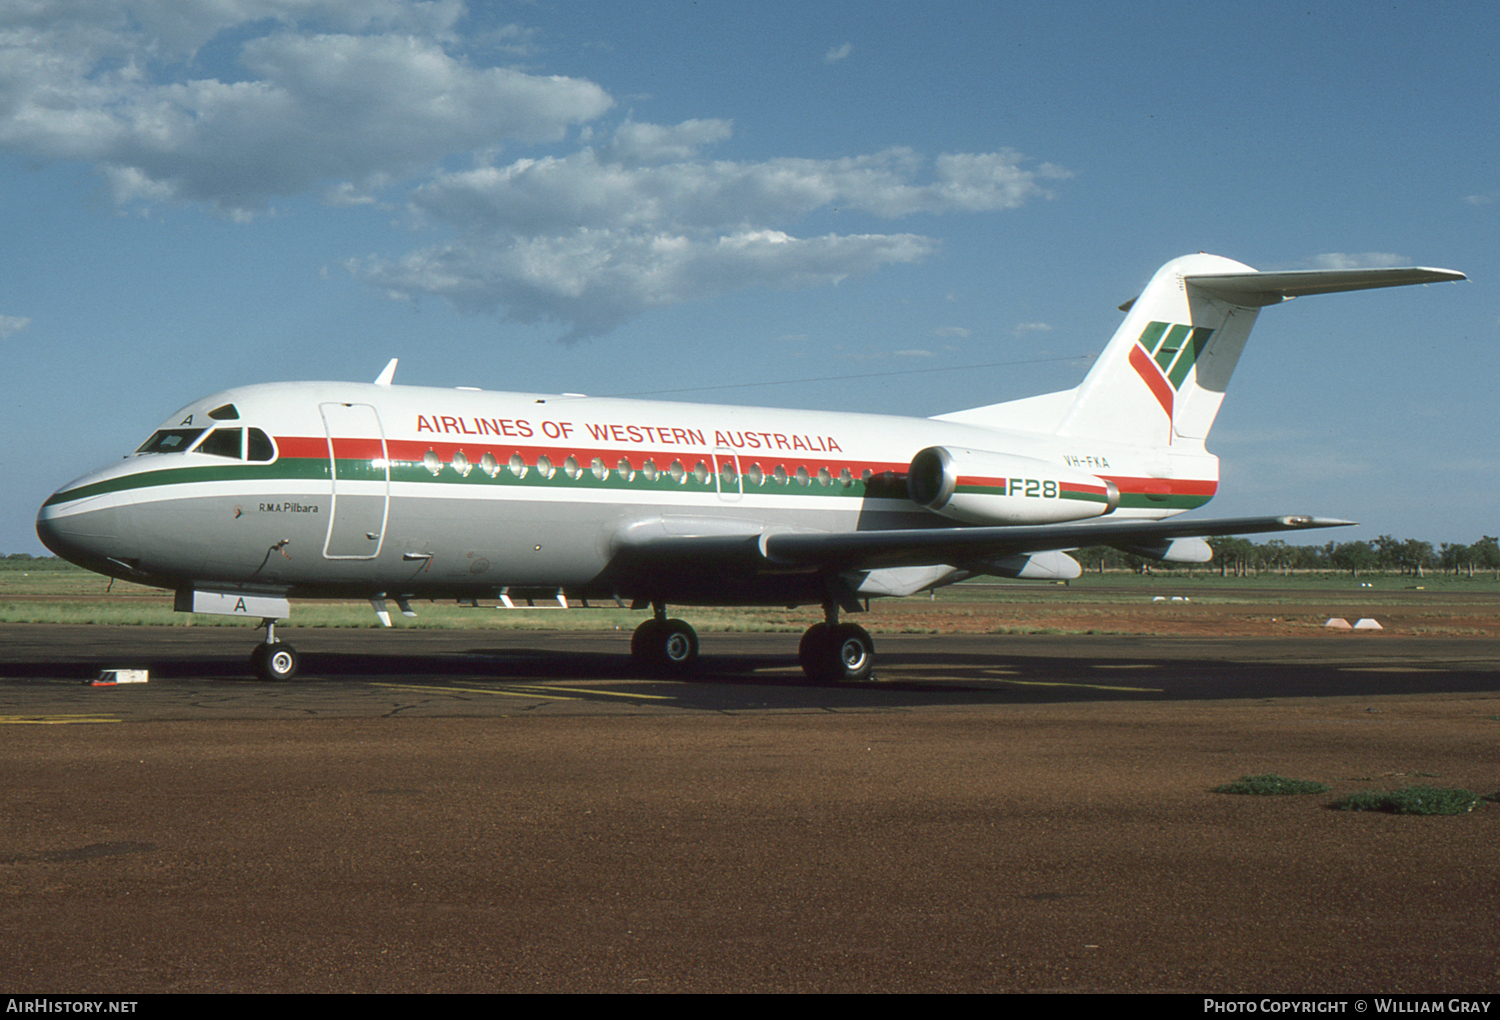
51 591
1411 800
1271 786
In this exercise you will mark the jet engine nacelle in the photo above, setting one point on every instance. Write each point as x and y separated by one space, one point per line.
979 487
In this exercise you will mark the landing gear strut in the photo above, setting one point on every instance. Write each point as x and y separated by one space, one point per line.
661 645
272 659
833 651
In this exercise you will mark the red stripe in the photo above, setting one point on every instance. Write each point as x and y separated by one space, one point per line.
1166 486
1147 370
301 446
412 451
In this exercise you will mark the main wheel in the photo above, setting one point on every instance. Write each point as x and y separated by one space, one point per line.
645 644
275 662
664 646
842 653
679 646
812 653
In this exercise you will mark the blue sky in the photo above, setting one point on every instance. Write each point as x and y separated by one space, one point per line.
862 201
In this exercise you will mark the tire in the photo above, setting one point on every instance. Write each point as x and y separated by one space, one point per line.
853 652
276 662
678 647
841 654
664 647
811 651
645 644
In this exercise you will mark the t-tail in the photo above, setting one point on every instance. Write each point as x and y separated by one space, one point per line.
1162 377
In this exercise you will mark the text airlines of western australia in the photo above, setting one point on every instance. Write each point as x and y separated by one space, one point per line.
626 434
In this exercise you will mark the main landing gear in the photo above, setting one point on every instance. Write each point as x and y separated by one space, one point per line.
833 651
272 659
830 651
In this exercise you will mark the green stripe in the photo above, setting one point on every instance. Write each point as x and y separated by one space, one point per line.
1171 346
1189 356
279 471
1151 334
1174 502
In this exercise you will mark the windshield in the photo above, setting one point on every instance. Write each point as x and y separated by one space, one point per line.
236 443
170 441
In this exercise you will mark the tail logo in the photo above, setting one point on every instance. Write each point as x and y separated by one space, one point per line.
1164 355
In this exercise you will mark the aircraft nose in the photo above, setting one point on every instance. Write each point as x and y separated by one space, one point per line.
89 537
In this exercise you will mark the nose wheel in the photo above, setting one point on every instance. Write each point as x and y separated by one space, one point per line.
274 660
664 646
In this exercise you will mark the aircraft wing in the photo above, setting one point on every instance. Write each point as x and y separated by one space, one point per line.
869 550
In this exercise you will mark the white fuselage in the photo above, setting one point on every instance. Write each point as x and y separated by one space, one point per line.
369 489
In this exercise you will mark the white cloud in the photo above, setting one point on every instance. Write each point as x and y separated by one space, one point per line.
644 219
316 107
1031 327
234 104
1361 260
594 280
11 325
837 53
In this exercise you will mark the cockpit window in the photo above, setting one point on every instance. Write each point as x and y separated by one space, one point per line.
227 412
258 446
235 443
223 443
170 441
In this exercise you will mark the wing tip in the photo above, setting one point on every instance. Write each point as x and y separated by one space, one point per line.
1302 521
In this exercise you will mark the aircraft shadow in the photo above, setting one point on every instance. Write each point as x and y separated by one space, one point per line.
901 677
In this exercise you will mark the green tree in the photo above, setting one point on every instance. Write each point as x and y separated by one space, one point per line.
1354 557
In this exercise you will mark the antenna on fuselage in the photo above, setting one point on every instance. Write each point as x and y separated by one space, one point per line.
387 374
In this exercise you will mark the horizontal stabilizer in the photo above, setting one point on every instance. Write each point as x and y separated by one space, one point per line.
1255 290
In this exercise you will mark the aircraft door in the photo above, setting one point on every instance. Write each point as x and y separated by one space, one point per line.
360 475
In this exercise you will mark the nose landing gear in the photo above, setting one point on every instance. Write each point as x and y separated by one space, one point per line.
272 659
661 645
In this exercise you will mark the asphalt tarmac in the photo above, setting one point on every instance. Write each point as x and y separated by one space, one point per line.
516 811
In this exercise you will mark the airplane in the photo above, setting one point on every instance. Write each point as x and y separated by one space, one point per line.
254 496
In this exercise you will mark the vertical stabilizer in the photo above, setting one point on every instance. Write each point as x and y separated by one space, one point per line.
1162 377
